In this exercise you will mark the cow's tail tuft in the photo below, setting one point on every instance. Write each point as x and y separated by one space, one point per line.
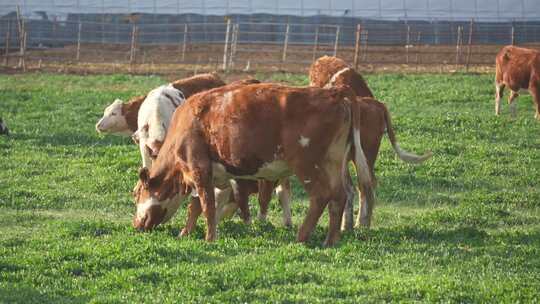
402 154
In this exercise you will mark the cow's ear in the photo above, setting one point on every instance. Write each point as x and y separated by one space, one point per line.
144 176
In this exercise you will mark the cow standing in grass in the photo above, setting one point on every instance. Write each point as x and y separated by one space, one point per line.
518 69
259 131
374 122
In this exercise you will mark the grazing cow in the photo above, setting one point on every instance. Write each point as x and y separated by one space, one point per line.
121 118
3 128
237 198
259 131
518 69
375 120
153 120
335 70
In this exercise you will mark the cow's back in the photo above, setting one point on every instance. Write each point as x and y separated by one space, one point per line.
329 70
248 126
322 70
198 83
515 65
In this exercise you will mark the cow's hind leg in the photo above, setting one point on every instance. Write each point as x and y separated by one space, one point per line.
335 210
348 214
317 204
284 195
367 202
499 91
535 93
512 103
265 195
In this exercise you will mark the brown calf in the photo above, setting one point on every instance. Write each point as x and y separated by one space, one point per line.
374 121
518 69
259 131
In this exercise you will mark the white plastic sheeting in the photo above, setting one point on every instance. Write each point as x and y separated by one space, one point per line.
481 10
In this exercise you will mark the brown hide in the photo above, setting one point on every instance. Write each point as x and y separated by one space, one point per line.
324 68
517 68
130 110
197 83
248 130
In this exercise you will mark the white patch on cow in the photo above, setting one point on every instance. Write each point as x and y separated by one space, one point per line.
272 171
285 201
317 167
171 205
222 202
303 141
155 116
307 181
334 78
113 121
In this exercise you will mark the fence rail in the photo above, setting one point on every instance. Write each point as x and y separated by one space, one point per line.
258 45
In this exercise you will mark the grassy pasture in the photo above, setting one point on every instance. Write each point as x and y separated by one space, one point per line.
463 227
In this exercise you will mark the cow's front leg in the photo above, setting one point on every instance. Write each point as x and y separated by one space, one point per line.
205 189
194 210
499 91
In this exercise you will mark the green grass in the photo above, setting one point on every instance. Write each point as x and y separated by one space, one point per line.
463 227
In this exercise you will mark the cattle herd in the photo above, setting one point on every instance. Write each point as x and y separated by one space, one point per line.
218 143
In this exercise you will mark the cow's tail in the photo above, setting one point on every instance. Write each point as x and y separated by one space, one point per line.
402 154
365 180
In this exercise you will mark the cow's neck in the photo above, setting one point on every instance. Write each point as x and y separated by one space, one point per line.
130 111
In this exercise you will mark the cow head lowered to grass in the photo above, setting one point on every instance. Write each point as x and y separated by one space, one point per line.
259 131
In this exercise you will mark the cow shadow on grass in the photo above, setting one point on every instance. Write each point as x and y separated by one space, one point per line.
71 139
28 294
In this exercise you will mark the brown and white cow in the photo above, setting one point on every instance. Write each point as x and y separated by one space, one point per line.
259 131
120 118
229 199
374 122
518 69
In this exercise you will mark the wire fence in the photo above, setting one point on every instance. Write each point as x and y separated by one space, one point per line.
249 45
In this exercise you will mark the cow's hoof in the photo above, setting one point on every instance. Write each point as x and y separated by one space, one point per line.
261 217
287 223
183 233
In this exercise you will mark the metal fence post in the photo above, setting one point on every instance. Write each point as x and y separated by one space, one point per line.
408 44
336 43
513 34
316 43
78 56
357 45
8 34
469 45
285 44
184 43
226 47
